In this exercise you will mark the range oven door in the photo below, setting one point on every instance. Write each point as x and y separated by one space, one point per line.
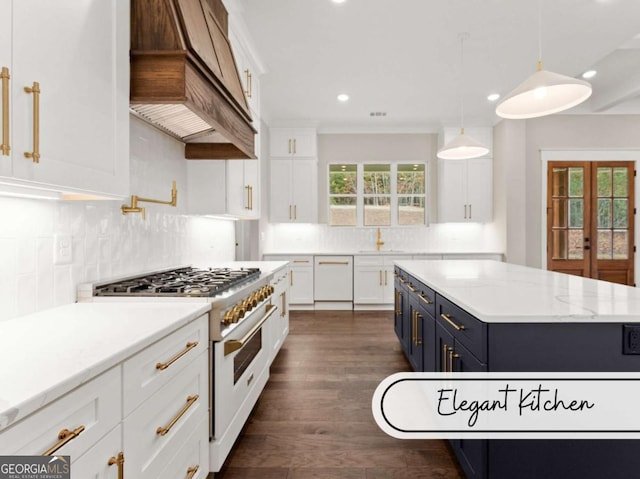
240 372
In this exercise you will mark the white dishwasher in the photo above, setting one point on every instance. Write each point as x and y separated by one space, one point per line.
333 279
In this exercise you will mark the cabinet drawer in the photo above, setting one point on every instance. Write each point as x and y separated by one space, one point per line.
368 261
425 296
95 406
194 454
94 463
147 450
141 377
466 329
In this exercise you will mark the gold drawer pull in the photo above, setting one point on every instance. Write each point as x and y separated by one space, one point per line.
334 262
300 260
64 436
5 147
418 339
35 154
411 288
190 402
447 318
191 472
424 300
120 462
452 356
188 347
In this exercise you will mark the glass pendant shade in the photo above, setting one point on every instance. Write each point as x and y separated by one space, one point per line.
462 147
543 93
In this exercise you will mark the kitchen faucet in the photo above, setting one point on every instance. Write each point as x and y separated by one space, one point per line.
379 241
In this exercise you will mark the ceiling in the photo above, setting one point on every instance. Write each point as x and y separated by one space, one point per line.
403 58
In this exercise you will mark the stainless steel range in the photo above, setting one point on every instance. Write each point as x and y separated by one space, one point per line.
239 354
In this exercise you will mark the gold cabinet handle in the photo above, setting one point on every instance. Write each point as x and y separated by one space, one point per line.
250 85
290 217
5 147
283 302
413 327
191 471
188 347
64 436
443 365
418 340
251 197
411 288
294 146
380 278
385 278
235 344
191 400
119 461
452 356
334 262
301 261
35 91
290 277
248 207
470 216
465 212
289 145
398 309
425 300
447 318
295 210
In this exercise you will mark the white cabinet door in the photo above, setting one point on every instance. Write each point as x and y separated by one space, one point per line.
301 285
299 142
304 187
465 190
206 187
280 207
333 278
367 285
280 142
252 181
82 68
94 463
238 191
480 189
304 143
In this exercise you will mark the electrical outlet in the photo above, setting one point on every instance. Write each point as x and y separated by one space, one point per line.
62 249
631 339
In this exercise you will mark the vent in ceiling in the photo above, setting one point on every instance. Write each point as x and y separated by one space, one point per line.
378 113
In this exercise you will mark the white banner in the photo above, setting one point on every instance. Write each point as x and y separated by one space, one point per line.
509 405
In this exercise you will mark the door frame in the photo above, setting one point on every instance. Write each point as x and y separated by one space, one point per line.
585 156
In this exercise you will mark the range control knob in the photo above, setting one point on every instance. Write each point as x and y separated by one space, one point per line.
228 317
253 300
237 313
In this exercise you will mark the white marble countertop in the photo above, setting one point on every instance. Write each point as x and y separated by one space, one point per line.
47 354
384 252
497 292
266 267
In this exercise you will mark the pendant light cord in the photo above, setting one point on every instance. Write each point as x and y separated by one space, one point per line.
462 37
539 35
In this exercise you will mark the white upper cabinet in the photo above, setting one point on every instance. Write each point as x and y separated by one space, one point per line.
298 142
249 75
465 190
294 190
78 123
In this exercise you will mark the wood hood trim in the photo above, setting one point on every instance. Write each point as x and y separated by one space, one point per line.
173 88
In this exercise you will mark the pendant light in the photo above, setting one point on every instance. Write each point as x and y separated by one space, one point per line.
544 92
462 147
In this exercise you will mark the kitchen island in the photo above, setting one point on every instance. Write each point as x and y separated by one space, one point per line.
477 316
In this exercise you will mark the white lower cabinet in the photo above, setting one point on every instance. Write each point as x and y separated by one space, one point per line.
101 461
373 279
192 460
333 278
301 282
280 322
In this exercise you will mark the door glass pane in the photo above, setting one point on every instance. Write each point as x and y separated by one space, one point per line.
575 244
342 179
559 244
377 179
604 182
605 250
377 211
621 244
604 213
410 180
576 182
559 182
559 213
342 211
620 213
576 213
620 182
411 210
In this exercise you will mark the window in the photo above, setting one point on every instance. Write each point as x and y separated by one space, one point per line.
377 194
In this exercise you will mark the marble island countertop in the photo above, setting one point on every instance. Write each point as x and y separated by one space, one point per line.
47 354
496 292
386 252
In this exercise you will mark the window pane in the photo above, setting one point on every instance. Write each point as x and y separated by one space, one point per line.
411 210
559 213
604 181
559 179
342 211
575 244
604 213
410 179
377 179
620 182
620 245
576 213
377 211
604 244
559 244
342 179
576 182
620 213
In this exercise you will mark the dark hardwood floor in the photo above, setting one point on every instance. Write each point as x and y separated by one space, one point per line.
314 417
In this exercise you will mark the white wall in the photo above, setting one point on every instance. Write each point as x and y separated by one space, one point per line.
520 147
105 243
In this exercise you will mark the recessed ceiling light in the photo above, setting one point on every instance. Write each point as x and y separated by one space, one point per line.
589 74
343 97
493 96
338 1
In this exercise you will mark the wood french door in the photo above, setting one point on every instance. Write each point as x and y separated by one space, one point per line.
590 219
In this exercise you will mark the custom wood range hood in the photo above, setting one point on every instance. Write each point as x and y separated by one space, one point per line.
184 78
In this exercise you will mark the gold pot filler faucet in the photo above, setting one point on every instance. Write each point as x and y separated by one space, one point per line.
379 241
134 208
